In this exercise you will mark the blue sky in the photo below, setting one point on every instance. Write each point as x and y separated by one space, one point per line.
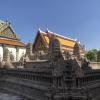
73 18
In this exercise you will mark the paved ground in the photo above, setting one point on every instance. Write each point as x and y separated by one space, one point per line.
4 96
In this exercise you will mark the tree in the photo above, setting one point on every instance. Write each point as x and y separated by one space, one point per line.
92 55
98 56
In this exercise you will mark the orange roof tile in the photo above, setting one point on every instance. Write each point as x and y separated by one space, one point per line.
66 43
63 41
12 42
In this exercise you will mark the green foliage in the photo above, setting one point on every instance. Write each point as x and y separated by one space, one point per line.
98 56
92 55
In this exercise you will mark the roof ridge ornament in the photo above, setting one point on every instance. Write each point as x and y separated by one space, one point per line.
38 28
1 21
47 30
7 22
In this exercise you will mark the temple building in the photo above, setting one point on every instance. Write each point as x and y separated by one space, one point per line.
41 43
10 44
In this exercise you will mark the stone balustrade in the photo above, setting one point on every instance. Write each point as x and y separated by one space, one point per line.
28 75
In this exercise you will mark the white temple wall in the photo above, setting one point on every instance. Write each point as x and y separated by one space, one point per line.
22 51
13 51
1 53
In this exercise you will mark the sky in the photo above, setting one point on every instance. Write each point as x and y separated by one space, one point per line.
77 19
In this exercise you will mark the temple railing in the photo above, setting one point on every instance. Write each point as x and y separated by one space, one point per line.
44 77
90 77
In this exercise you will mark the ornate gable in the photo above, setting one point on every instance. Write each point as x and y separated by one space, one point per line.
6 31
8 36
39 44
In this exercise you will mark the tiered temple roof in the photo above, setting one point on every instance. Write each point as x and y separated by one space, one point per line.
8 36
11 42
67 44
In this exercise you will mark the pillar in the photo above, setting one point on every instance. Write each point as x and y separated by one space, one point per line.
17 53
